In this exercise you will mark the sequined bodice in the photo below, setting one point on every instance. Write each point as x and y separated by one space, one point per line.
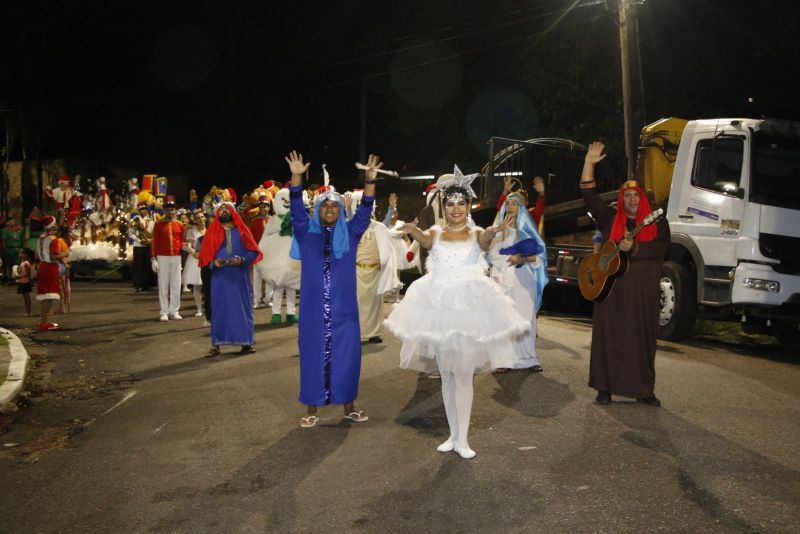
455 260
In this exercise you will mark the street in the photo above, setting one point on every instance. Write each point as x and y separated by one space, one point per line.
125 427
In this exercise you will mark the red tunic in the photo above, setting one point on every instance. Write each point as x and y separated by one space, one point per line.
167 238
47 286
257 228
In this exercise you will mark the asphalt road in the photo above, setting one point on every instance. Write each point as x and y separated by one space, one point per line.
126 428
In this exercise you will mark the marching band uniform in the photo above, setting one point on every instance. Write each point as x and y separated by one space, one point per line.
166 262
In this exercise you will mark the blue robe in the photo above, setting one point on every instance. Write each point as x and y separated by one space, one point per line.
328 374
231 296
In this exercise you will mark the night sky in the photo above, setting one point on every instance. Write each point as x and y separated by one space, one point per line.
219 92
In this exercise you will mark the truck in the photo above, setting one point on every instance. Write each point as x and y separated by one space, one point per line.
730 189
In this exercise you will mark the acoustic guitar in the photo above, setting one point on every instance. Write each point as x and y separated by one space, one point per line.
598 271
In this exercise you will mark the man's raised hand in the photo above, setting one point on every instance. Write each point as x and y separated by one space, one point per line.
595 154
296 165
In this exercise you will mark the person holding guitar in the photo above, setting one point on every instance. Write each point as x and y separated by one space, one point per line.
625 322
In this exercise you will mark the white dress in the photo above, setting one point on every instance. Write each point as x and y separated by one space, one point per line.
520 285
191 269
456 319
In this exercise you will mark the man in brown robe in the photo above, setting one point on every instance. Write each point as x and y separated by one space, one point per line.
625 323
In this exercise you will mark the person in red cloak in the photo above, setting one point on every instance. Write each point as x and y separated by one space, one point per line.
625 324
229 249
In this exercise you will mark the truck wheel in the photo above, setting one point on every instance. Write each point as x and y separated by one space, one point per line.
788 335
678 310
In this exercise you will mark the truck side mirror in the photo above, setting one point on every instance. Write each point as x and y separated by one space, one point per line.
739 193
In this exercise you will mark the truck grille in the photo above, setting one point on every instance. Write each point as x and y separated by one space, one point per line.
783 248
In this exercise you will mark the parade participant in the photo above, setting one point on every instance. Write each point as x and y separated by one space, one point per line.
47 286
23 278
522 276
12 236
191 270
165 261
625 323
454 319
376 274
329 339
141 236
62 194
229 249
537 210
64 285
280 272
262 292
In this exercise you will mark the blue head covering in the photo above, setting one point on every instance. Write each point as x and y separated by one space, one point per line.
526 229
341 237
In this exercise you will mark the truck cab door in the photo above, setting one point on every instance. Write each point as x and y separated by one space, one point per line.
712 207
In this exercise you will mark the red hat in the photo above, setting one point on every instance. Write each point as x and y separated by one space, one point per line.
323 188
48 221
169 202
232 193
262 199
429 188
268 183
63 179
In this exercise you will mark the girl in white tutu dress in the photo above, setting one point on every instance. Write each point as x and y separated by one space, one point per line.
455 320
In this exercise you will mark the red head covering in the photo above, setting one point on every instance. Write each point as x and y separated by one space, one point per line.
215 236
48 221
618 229
232 193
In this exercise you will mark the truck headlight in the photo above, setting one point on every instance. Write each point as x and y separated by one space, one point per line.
762 285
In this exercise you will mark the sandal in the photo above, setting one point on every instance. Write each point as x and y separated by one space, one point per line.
247 349
213 351
358 417
308 421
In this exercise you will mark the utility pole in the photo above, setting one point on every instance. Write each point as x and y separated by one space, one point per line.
632 92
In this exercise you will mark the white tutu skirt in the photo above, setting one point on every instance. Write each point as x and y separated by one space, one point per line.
458 326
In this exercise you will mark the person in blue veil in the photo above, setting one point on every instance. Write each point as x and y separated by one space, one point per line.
329 335
518 262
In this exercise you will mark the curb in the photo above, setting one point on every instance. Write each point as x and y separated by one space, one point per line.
17 369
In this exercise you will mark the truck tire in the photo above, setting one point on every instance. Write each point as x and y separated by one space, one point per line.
678 307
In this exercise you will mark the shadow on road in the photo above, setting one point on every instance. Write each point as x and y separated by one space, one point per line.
267 485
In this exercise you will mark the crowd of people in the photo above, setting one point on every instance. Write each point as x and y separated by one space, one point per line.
473 310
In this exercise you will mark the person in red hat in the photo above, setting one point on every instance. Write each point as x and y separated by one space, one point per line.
166 261
47 286
62 194
625 323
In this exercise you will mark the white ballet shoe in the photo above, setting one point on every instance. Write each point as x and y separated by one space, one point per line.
447 446
465 452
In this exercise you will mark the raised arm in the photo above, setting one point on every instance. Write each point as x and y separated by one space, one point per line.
425 239
600 210
297 208
363 215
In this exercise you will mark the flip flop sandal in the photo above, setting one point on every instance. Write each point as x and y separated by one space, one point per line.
213 351
358 417
308 421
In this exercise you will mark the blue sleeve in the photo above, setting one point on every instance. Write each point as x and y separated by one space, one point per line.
249 256
298 211
388 219
360 221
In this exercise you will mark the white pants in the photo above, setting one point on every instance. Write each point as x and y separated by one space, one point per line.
277 297
169 284
257 293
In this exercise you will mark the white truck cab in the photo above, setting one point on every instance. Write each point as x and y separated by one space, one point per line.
734 213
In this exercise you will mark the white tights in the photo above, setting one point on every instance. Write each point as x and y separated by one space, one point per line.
457 397
197 293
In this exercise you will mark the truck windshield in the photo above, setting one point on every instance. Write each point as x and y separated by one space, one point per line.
776 169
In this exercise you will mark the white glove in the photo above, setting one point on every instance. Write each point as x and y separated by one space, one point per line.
154 265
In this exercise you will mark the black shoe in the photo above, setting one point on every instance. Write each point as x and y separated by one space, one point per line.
247 349
603 397
536 369
375 339
650 401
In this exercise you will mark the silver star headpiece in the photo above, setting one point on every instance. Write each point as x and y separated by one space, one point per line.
460 180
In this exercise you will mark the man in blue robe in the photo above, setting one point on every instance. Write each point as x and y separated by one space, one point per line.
329 333
229 249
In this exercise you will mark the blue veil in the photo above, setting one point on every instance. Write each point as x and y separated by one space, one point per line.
341 236
526 229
